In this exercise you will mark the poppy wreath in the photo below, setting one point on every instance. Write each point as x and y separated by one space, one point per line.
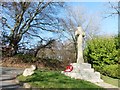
69 68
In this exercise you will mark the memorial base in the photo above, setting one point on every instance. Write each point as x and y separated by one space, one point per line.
85 72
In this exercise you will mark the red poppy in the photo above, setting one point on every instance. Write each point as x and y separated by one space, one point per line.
69 68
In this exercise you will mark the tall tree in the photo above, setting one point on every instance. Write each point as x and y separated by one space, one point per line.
113 9
28 19
77 17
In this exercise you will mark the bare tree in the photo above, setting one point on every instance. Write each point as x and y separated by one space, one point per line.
75 17
40 46
113 9
28 20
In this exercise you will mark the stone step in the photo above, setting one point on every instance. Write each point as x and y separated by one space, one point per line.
89 70
85 72
81 66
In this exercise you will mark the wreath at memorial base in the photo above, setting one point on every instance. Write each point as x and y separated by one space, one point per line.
69 68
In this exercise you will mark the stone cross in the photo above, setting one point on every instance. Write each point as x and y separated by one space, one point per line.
79 33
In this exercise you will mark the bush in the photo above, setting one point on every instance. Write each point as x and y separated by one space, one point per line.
102 54
101 51
26 58
111 70
49 63
53 63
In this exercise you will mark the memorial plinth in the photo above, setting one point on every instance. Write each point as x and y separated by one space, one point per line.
85 72
81 70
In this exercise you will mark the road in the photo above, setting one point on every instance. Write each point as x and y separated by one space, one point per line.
8 77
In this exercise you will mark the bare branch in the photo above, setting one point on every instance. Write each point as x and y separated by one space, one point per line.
36 36
115 7
27 18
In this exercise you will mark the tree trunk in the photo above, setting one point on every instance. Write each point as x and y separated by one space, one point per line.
14 46
43 46
13 50
36 52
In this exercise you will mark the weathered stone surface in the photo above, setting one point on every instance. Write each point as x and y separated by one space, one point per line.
29 71
80 69
26 85
81 65
85 72
79 33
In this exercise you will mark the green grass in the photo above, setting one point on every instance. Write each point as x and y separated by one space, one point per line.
54 79
110 80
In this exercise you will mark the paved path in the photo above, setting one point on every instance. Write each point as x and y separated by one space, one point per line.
8 77
107 86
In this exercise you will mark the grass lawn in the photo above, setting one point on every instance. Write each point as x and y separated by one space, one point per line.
110 80
54 79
